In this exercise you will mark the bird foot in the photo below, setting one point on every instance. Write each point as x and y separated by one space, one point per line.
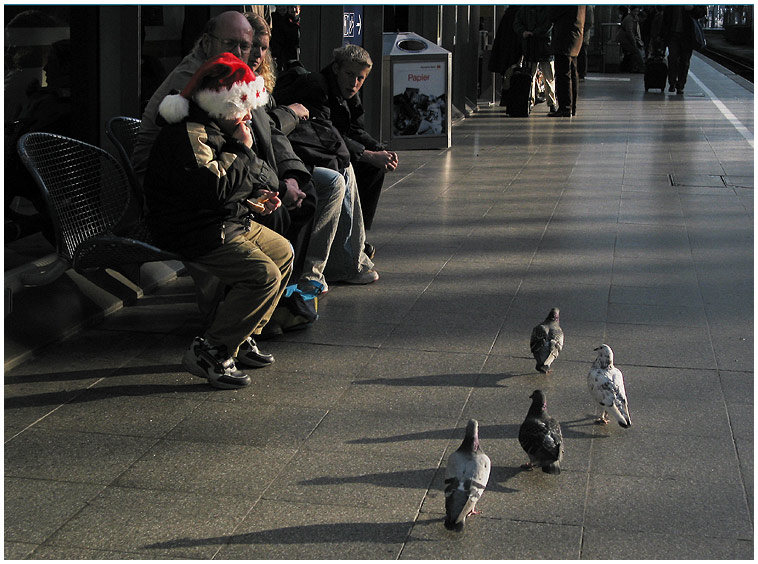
601 421
473 512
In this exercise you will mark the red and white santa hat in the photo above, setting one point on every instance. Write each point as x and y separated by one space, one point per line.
223 86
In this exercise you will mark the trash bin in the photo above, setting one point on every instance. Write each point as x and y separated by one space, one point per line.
416 91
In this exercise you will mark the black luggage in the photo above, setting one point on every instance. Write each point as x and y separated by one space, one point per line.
656 73
518 103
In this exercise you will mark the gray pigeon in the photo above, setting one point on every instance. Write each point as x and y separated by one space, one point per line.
540 436
466 476
606 385
547 341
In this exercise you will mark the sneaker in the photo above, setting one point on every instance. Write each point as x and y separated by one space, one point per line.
206 361
365 277
249 355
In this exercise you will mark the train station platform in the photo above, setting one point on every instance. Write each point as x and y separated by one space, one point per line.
635 218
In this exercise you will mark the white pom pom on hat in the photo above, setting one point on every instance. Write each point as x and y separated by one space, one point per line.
223 86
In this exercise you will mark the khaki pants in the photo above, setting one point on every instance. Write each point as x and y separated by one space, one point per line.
256 266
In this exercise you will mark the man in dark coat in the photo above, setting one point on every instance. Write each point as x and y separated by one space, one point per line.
205 178
677 33
332 95
568 34
506 50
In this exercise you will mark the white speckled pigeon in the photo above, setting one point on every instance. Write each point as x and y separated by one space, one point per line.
546 341
466 476
540 436
606 385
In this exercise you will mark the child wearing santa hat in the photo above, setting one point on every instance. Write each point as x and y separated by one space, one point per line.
203 185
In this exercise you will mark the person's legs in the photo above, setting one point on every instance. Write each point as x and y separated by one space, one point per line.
370 180
675 54
330 188
347 258
257 267
563 82
574 75
532 66
581 61
685 54
548 73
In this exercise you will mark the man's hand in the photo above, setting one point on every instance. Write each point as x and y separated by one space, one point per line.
300 111
243 134
381 159
294 196
266 198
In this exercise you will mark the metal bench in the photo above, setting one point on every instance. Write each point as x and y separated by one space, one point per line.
88 193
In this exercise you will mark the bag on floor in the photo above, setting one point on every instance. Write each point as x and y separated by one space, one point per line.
295 310
656 73
518 103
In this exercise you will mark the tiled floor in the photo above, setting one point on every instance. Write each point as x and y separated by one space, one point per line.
635 218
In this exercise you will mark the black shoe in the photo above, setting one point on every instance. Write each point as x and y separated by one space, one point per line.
565 112
672 89
249 355
213 363
369 249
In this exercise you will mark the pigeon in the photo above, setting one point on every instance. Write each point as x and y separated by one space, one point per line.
547 341
466 476
540 436
606 385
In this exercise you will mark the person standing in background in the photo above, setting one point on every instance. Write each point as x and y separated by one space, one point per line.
568 34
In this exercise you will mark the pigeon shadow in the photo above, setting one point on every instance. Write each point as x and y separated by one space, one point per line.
443 380
400 478
332 533
92 374
96 394
499 475
485 432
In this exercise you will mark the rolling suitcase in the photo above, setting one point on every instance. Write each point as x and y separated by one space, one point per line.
519 104
521 98
656 73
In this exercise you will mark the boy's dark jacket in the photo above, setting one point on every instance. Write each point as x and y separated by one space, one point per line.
319 92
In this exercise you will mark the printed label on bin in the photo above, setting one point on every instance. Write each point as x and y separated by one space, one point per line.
418 98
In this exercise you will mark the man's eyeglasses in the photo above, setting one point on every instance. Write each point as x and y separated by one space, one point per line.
231 44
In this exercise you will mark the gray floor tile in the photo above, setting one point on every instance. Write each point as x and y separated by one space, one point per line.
341 478
144 415
92 458
600 544
662 455
248 424
655 345
294 531
154 523
212 468
17 550
366 433
644 504
35 509
493 539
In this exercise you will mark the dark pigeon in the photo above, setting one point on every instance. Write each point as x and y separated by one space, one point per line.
466 476
540 436
547 341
